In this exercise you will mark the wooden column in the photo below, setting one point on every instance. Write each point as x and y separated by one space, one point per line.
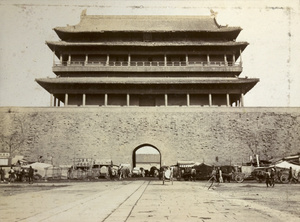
228 99
225 60
55 100
61 59
105 99
186 59
83 99
165 59
127 99
166 99
129 59
210 99
208 60
107 59
242 100
66 99
69 59
51 100
233 59
86 59
188 99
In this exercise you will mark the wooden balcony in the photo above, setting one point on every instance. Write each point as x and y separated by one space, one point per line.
146 66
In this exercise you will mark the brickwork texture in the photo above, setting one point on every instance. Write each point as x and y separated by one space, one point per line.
211 135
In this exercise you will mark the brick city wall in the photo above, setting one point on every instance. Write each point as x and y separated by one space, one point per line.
228 135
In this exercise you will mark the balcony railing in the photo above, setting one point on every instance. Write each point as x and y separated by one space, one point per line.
147 63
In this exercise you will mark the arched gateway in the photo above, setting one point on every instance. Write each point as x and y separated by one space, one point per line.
146 156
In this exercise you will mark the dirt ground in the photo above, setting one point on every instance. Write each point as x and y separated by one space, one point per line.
282 197
46 195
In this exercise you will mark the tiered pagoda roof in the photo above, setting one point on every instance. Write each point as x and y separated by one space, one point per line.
139 23
137 37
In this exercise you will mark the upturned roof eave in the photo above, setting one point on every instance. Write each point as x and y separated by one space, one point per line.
55 45
73 30
114 80
137 43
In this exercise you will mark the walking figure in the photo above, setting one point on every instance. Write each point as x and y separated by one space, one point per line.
213 178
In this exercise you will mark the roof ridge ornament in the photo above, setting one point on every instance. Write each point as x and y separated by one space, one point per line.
213 13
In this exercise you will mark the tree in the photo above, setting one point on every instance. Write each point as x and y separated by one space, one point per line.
15 137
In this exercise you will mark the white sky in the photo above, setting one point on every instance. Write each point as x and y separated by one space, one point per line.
271 27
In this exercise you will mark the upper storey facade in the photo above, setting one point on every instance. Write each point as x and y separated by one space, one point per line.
182 56
147 45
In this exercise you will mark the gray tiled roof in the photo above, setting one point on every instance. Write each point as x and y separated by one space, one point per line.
138 23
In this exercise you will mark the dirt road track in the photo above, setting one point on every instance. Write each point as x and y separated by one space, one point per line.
135 201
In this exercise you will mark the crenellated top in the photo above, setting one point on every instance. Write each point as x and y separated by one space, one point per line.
96 25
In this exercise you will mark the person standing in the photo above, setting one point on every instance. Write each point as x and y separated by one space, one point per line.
220 176
290 175
110 173
193 174
2 173
272 179
268 177
120 172
22 175
30 175
11 175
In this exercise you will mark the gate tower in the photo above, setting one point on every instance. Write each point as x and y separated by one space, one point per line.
147 61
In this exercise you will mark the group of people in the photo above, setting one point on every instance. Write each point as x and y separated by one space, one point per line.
271 174
17 175
270 177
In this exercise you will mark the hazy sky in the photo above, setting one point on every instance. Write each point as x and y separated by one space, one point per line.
147 149
272 29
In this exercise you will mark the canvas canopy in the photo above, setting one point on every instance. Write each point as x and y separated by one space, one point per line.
287 165
184 163
40 167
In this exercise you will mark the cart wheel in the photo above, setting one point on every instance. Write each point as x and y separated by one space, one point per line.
284 178
37 177
239 178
